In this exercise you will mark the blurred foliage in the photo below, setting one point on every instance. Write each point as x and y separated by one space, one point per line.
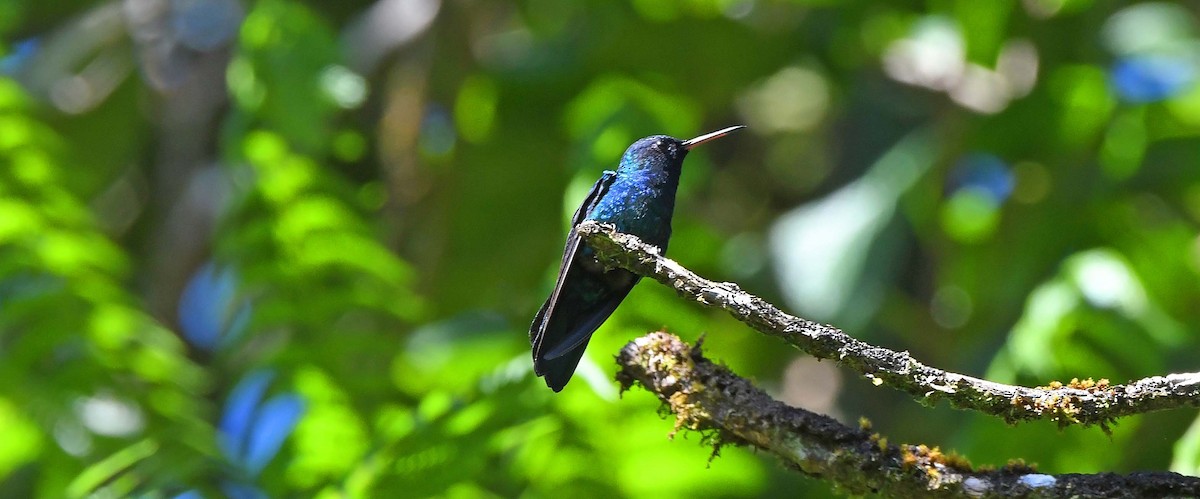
273 248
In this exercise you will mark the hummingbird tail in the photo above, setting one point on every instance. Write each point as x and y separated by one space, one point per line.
558 371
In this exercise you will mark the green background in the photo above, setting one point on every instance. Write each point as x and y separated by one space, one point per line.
1004 189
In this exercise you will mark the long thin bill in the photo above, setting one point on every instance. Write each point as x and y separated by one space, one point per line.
690 143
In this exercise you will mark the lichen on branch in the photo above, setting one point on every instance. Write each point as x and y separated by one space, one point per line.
1076 403
708 398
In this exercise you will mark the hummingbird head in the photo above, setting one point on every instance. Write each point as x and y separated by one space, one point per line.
657 152
661 152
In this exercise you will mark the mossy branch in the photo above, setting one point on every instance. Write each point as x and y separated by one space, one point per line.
709 398
1075 403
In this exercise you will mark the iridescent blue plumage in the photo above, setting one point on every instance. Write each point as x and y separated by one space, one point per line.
639 199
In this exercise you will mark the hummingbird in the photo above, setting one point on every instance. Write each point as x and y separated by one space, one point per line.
638 198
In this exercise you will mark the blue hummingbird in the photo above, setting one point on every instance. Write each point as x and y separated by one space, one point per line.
638 199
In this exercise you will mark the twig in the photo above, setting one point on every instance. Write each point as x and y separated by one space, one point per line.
1075 403
709 398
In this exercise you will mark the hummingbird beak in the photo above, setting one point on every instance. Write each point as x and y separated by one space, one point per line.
690 143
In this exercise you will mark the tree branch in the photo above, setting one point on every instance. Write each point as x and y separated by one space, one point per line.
1084 403
709 398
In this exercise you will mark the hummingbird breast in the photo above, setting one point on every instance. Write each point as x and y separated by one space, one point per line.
639 205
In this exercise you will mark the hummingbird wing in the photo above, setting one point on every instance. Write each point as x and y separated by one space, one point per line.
584 296
584 304
599 189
